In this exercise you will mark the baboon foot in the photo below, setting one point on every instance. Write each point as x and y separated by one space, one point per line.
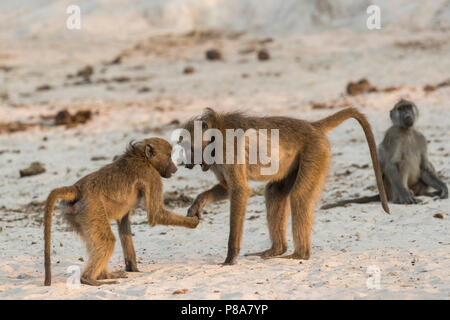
112 275
272 252
130 267
93 282
230 260
408 200
298 256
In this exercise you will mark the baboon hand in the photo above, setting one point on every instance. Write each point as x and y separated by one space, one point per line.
408 199
443 193
131 267
195 210
195 222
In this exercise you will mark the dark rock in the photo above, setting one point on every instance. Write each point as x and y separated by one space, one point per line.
188 70
44 87
263 55
34 169
213 54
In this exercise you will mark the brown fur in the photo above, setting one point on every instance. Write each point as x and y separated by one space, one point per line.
407 172
304 157
110 194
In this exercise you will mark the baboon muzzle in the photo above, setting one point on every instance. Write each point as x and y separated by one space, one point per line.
171 169
408 121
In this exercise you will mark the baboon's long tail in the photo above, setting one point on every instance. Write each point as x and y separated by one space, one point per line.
65 193
336 119
357 200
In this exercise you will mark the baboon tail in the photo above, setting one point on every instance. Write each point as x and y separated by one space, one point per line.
65 193
336 119
357 200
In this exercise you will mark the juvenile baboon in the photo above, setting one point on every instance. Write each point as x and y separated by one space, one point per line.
304 156
407 172
109 194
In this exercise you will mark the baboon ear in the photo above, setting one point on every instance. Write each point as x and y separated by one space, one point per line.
391 114
149 151
204 125
416 110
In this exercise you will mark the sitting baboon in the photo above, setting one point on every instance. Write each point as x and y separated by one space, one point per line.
110 194
303 160
407 172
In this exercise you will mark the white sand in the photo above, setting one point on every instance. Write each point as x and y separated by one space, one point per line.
410 247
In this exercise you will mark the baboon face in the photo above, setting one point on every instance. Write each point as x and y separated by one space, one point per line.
190 144
159 153
404 114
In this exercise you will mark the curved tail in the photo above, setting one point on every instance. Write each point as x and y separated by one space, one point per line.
357 200
336 119
65 193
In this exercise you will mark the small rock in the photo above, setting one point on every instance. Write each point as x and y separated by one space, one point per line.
34 169
44 87
144 89
82 116
429 88
182 291
86 72
362 86
318 105
263 55
98 158
438 216
121 79
81 259
63 117
188 70
213 54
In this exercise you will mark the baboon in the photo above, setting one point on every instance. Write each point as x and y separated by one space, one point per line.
304 156
407 172
110 194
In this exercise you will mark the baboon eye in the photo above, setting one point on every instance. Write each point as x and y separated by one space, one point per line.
204 125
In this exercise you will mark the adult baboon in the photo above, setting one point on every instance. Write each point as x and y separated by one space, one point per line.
304 156
110 193
407 172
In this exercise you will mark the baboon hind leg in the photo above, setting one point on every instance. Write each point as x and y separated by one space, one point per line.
100 244
311 176
126 240
277 207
